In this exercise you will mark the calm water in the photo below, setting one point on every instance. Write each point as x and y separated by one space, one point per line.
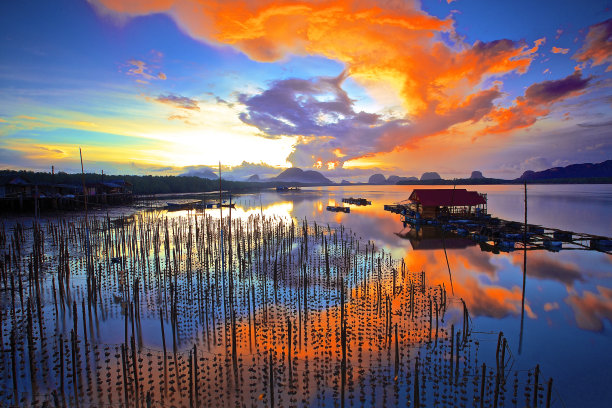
567 320
568 312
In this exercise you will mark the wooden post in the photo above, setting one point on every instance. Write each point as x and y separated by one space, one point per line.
271 369
548 393
417 402
482 384
14 367
397 357
161 321
195 373
524 274
452 349
84 324
74 367
289 334
61 361
124 370
535 386
135 365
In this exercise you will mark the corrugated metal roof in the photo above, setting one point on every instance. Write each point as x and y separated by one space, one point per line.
446 197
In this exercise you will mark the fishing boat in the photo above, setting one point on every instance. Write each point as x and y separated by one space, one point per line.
180 206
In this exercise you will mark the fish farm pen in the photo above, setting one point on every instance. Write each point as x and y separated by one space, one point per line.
198 310
445 209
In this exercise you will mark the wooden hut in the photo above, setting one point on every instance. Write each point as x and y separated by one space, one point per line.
16 187
433 203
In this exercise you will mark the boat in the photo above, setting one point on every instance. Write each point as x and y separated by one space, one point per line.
285 188
181 206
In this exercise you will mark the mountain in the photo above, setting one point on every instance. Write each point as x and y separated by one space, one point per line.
377 179
297 175
476 175
393 179
254 178
202 172
584 170
431 175
345 182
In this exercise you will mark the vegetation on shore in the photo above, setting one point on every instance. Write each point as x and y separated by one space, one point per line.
190 184
145 184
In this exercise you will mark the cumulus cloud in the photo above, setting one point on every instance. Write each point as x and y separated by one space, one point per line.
330 130
597 47
535 103
398 44
178 101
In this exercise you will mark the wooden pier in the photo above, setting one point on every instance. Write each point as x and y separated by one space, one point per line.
495 234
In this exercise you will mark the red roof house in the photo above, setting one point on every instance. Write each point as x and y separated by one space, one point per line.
432 202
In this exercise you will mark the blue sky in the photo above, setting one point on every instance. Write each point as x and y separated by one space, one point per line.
161 88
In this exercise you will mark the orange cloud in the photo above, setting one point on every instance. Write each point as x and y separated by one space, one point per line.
597 47
536 103
592 308
395 40
556 50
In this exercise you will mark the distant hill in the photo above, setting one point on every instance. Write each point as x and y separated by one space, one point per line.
584 170
476 175
393 179
254 178
411 178
377 179
430 175
297 175
203 172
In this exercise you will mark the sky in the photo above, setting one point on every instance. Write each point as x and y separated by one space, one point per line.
348 88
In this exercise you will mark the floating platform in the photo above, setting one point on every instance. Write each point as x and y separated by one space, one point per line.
356 201
338 208
503 235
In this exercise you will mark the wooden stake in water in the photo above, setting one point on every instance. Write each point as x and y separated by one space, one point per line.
524 274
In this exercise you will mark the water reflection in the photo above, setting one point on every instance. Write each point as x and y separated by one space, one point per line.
568 295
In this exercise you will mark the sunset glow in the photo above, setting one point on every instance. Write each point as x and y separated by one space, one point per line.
346 87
